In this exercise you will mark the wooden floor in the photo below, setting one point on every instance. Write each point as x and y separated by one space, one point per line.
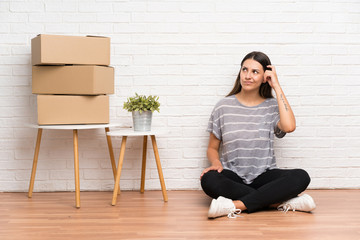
53 216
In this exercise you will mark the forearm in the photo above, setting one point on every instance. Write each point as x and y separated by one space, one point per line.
213 157
287 118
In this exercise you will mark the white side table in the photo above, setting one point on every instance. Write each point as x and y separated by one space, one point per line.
75 129
128 133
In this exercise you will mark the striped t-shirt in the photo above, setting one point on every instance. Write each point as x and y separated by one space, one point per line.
246 135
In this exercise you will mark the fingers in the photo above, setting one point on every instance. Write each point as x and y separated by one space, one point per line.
205 171
215 168
267 76
208 169
270 75
272 67
202 174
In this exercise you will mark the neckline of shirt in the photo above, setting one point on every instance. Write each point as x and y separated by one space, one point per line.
237 100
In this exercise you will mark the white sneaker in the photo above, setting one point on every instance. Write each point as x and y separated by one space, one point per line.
304 203
221 207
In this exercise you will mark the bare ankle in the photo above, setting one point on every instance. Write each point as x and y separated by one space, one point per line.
239 205
275 205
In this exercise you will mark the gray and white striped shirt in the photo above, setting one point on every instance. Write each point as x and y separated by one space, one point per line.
246 135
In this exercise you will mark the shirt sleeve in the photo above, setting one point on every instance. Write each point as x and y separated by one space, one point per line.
214 125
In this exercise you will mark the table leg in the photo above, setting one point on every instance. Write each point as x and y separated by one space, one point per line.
111 152
143 167
158 164
76 167
36 156
118 174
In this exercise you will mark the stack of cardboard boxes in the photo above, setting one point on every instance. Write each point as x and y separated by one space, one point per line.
72 78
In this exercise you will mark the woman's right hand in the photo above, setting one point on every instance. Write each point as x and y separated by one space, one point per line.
217 167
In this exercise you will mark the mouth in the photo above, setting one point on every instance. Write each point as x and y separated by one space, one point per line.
247 82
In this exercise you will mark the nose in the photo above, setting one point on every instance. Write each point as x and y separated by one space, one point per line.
248 75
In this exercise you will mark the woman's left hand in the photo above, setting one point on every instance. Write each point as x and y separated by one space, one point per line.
270 76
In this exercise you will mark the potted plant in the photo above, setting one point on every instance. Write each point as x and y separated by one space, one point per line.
142 108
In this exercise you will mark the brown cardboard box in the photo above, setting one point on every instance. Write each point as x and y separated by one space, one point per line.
69 109
77 79
60 50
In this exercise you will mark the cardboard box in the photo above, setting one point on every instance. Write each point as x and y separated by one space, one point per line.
69 109
76 79
61 50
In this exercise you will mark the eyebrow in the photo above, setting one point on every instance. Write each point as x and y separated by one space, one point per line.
252 69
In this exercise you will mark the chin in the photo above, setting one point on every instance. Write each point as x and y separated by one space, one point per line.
249 88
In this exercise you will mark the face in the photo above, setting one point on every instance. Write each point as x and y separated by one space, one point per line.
251 75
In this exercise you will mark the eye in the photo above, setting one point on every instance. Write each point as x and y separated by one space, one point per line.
244 69
255 72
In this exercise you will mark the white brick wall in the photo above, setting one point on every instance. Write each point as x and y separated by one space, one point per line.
188 53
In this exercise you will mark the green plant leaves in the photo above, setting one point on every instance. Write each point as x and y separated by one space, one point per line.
142 103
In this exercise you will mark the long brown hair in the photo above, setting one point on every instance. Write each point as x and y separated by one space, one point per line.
265 90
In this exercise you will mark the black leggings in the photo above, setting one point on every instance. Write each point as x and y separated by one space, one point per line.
273 186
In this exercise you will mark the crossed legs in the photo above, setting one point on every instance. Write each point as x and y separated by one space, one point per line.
267 190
